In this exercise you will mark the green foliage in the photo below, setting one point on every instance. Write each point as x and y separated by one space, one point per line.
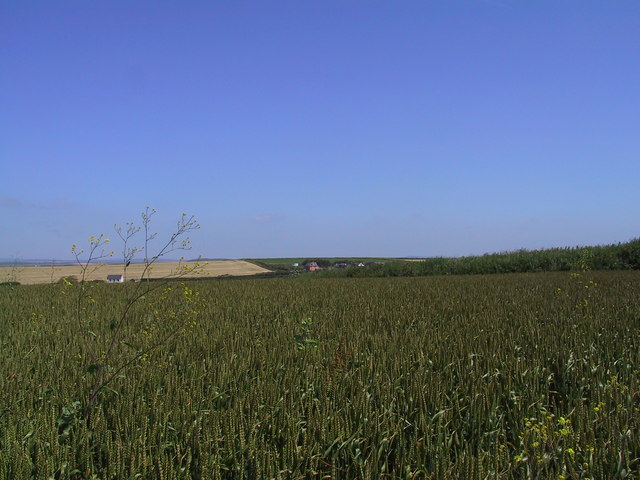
624 256
304 338
474 377
71 280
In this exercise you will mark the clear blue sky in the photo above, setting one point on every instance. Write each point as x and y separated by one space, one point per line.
321 128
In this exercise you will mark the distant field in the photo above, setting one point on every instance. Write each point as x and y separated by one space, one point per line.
276 261
31 274
289 261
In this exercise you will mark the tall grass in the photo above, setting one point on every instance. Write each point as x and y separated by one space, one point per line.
518 376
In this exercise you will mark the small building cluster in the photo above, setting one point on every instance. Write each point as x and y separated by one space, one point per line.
314 267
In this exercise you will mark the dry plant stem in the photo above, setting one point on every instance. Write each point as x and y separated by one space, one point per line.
107 379
127 253
95 243
182 229
185 225
102 379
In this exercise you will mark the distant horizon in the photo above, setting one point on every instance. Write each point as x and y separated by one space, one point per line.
115 261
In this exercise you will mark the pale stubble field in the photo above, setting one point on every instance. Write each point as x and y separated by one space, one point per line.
28 275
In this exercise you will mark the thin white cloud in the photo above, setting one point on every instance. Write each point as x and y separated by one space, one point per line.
10 202
272 217
50 204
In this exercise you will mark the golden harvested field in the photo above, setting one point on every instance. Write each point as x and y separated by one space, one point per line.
46 274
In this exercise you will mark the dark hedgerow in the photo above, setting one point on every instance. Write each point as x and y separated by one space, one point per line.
623 256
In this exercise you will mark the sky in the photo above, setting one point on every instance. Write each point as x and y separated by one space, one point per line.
320 128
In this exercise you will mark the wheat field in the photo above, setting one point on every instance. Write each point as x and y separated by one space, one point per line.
509 377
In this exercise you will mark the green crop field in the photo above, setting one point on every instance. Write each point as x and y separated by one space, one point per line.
471 377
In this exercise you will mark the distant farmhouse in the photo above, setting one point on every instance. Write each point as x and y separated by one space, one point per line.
312 267
115 279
